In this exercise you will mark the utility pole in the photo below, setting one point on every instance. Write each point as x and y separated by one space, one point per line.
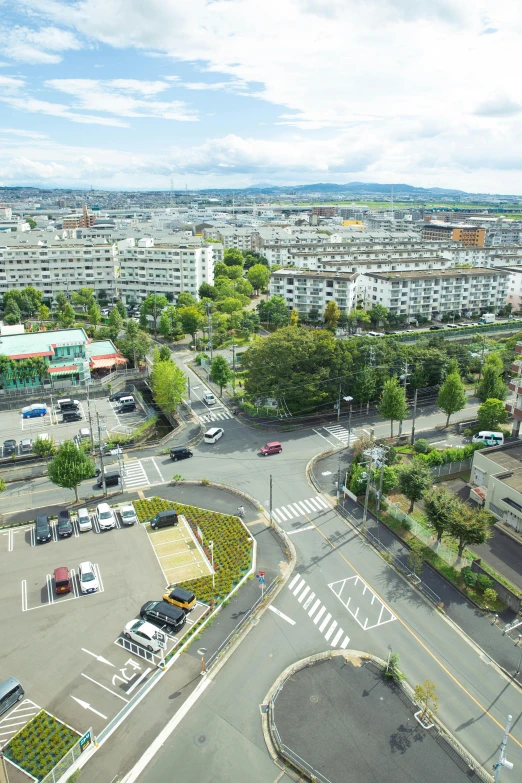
367 495
104 485
380 483
482 355
414 416
350 423
90 421
209 314
502 760
405 378
233 363
339 404
270 500
338 477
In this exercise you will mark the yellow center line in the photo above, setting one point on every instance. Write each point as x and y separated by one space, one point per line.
419 641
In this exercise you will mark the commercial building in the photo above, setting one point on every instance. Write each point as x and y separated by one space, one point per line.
496 475
307 291
432 294
456 232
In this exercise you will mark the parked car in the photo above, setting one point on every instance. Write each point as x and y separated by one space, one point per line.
166 616
62 580
167 518
178 596
68 404
65 528
26 446
84 433
112 479
34 411
105 516
9 447
11 691
126 407
271 448
128 515
118 395
180 452
146 634
42 529
71 416
88 578
84 520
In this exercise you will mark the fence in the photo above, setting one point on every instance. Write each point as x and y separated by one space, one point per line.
422 533
451 468
67 761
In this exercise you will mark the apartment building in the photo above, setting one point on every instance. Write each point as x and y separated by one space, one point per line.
239 238
84 220
433 293
457 232
514 405
160 267
51 264
324 212
497 475
307 291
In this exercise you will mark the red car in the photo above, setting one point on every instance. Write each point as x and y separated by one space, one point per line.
271 448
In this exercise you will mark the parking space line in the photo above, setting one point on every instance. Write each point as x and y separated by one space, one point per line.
140 679
50 592
24 595
98 574
54 528
95 525
75 527
105 687
73 582
33 536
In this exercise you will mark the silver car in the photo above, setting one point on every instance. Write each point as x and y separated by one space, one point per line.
84 520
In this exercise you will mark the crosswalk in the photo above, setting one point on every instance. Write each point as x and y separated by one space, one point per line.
16 719
220 415
318 613
134 475
298 509
340 433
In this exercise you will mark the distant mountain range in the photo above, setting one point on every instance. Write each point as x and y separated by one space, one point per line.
358 187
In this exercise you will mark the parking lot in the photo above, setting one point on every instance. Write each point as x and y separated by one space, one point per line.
68 651
14 426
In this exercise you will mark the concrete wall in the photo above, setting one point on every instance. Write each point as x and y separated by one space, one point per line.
510 599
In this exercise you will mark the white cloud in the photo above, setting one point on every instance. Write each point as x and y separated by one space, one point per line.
43 46
23 133
32 105
11 84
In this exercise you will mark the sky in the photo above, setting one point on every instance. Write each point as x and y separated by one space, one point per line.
145 94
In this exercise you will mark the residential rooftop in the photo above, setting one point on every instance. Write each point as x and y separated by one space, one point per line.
420 274
40 343
315 275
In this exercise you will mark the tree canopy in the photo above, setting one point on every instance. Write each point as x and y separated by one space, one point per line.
258 275
414 480
220 372
168 383
393 402
492 413
451 397
69 467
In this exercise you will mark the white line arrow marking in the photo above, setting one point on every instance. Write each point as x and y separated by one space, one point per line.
99 658
87 706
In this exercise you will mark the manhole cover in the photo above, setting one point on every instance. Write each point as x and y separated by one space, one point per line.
201 739
314 699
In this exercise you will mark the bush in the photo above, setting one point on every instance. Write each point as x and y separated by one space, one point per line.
200 357
484 582
421 446
490 595
469 577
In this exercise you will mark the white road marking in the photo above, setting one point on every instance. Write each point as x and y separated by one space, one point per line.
118 696
325 622
345 643
280 614
140 679
358 586
301 530
24 595
50 592
308 601
337 637
99 658
313 610
98 574
294 580
87 706
156 466
299 586
303 595
330 630
319 614
324 438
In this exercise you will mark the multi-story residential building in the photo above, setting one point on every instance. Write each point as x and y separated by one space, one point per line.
514 405
496 474
85 220
307 291
51 264
433 293
163 268
457 232
324 212
239 238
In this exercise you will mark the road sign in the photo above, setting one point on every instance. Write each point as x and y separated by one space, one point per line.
261 580
261 573
85 741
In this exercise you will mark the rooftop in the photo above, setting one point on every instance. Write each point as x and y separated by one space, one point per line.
39 343
508 458
474 271
315 275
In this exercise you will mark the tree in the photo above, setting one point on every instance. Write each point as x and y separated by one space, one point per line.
66 316
152 306
258 275
331 314
43 314
470 526
94 314
44 448
364 385
170 322
12 313
253 257
452 397
84 298
314 316
220 270
70 467
393 402
220 372
378 313
294 317
234 272
274 312
440 506
164 354
207 291
343 321
230 305
121 309
426 698
168 382
392 671
491 386
492 413
184 299
31 221
61 300
414 480
243 287
191 320
135 343
233 257
115 323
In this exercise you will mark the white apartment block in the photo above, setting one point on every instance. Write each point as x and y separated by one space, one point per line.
50 264
307 291
162 268
239 238
431 294
514 296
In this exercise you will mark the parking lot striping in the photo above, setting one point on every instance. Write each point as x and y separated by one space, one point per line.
73 582
87 706
280 614
76 528
118 696
95 525
140 679
337 588
24 595
33 537
54 528
101 588
301 530
50 591
99 658
25 710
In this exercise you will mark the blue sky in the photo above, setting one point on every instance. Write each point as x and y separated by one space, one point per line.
132 93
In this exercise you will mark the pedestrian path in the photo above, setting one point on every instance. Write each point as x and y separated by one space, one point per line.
134 475
340 433
216 416
318 613
298 509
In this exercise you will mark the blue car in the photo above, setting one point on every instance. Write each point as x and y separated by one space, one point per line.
33 411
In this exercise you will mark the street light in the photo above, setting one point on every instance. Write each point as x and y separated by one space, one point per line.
350 400
202 651
502 760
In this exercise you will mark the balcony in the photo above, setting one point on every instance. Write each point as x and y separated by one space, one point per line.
511 408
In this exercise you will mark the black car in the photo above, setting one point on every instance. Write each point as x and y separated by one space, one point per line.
43 530
162 614
9 447
65 528
180 452
71 416
127 407
118 395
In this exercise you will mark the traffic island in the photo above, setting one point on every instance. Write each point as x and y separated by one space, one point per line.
333 718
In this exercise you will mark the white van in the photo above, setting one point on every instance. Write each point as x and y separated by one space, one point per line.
489 438
209 398
211 436
126 400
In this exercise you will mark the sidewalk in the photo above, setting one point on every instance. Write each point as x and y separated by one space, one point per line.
478 625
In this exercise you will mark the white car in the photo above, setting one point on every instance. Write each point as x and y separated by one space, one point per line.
84 520
209 398
146 634
105 516
128 515
88 578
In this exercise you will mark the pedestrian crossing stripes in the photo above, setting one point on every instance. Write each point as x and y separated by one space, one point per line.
17 719
216 416
318 613
341 433
134 475
299 508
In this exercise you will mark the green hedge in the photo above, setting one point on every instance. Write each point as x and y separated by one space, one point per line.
456 454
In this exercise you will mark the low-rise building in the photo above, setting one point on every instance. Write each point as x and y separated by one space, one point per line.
307 291
457 232
496 475
514 405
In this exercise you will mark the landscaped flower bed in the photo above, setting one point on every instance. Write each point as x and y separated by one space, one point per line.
232 546
41 744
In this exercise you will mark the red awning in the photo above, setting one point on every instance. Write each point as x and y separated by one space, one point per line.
71 368
97 364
